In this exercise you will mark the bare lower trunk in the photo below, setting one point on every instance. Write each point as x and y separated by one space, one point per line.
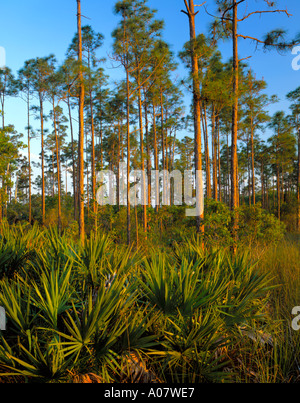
43 163
93 173
253 167
81 131
29 159
148 154
128 160
197 113
298 184
75 195
155 160
144 190
59 226
234 160
207 160
214 154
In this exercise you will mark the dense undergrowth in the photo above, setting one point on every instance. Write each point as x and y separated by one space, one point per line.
103 312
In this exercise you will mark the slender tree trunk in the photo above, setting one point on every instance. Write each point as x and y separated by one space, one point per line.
16 190
1 206
2 107
6 190
81 130
252 165
148 153
197 111
298 181
267 207
128 159
155 159
87 177
163 146
214 153
249 173
207 160
53 176
278 177
144 189
136 225
101 147
58 169
262 178
234 158
93 173
29 156
43 158
219 159
75 195
228 169
278 189
118 166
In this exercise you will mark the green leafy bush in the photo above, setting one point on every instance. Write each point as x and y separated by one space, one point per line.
257 225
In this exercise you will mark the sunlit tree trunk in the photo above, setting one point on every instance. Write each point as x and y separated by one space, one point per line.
81 130
29 155
155 159
75 195
58 169
298 177
43 160
234 136
144 189
128 159
197 107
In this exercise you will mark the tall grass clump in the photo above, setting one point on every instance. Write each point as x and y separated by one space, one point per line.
282 261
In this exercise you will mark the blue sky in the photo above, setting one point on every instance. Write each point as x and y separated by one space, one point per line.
36 28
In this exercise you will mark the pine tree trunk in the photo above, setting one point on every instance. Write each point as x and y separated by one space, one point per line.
58 169
207 161
2 107
228 169
249 173
75 195
53 177
252 165
87 177
164 199
234 159
144 190
43 163
197 112
298 183
128 159
118 165
262 185
1 209
148 153
93 173
219 159
214 154
29 157
81 131
278 191
155 160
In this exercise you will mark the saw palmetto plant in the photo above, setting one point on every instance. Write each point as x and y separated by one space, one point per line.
86 313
